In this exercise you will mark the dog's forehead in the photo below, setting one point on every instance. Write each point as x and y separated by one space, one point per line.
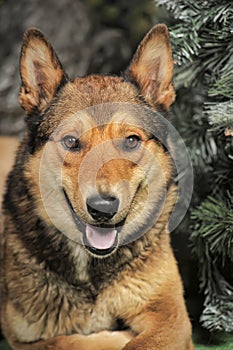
100 100
96 101
118 116
94 90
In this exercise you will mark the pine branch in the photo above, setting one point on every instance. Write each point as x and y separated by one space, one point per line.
220 115
214 223
203 47
223 86
218 305
203 30
213 238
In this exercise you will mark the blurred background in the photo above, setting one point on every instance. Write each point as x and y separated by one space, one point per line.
92 36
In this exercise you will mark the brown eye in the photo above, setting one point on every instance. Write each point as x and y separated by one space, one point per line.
132 143
71 143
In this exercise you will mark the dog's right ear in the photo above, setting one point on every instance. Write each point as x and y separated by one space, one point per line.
41 72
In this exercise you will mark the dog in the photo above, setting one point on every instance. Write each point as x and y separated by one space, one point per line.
86 255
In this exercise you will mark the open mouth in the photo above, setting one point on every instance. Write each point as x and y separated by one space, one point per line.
100 240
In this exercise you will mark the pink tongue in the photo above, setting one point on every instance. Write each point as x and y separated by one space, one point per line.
100 238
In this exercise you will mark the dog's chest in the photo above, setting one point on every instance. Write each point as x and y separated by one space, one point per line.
86 306
99 317
62 311
81 312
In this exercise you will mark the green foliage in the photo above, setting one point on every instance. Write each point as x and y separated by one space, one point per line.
214 224
225 346
220 115
216 341
202 42
4 345
213 237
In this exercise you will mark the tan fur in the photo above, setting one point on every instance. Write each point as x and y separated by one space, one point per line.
56 293
8 147
39 68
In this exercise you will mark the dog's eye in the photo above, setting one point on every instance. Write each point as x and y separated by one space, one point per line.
71 143
132 142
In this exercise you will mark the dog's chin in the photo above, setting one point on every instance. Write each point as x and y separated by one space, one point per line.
100 240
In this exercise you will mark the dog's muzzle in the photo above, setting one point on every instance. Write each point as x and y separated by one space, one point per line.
100 239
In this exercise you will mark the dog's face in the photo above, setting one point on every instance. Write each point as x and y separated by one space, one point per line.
98 166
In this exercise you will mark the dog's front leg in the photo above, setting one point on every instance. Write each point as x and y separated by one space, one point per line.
105 340
156 332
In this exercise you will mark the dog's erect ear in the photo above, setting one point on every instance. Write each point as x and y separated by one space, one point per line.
152 67
41 72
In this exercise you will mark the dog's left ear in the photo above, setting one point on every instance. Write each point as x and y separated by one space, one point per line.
41 72
152 67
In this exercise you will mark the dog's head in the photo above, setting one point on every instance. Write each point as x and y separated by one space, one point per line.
97 161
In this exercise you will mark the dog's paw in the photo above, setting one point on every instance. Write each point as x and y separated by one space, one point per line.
108 340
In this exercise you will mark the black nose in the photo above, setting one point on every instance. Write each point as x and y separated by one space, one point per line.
102 207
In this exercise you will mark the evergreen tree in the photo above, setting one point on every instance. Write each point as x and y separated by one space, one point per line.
201 34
